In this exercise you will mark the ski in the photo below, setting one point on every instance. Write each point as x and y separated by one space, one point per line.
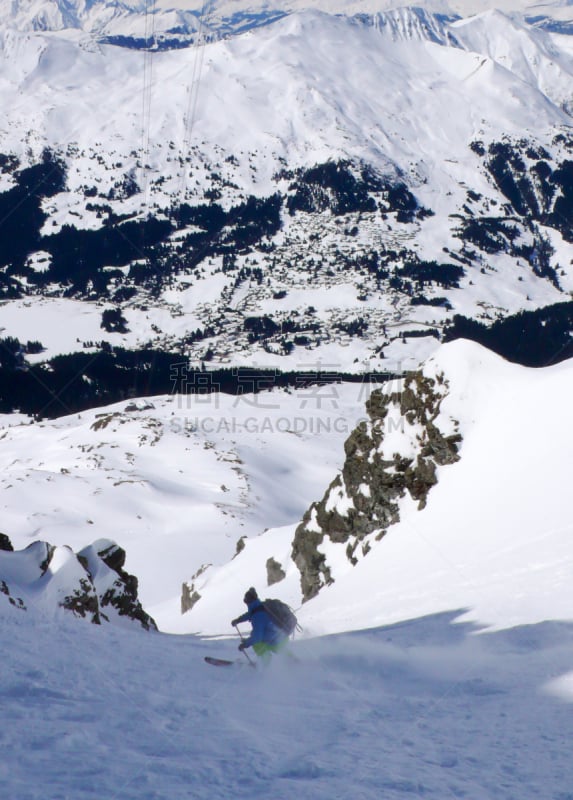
223 662
218 662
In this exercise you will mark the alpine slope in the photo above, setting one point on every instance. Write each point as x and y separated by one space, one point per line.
233 184
439 663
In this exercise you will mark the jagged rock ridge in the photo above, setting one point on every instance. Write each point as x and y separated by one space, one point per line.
394 452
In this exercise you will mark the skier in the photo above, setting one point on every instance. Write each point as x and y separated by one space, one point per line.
266 636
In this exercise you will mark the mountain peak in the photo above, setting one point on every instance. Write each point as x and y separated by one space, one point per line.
413 23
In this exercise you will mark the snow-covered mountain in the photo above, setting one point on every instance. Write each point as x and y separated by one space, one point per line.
444 499
232 185
319 189
432 491
220 17
134 24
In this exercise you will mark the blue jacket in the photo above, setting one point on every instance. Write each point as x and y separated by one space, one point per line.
264 628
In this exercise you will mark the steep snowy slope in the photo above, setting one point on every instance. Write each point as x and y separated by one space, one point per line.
428 705
179 484
534 56
490 535
422 709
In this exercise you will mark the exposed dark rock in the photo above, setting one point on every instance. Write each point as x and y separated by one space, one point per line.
88 583
240 546
5 543
188 598
17 602
83 602
189 594
362 502
275 573
49 552
122 595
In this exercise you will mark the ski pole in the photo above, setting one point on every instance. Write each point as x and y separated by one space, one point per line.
251 662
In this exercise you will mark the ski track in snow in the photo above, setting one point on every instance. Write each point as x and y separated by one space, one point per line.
421 709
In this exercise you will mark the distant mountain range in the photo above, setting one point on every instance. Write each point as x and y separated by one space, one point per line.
315 192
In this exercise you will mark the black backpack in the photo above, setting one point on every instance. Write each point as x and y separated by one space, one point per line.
282 615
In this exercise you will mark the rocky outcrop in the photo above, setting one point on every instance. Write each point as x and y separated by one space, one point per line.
393 453
188 598
17 602
275 573
189 594
91 584
116 589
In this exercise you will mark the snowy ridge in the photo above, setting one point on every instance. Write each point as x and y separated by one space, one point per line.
531 55
90 584
490 520
412 24
229 15
138 23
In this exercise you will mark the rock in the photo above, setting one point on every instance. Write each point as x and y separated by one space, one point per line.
117 589
139 405
189 597
395 451
189 594
275 573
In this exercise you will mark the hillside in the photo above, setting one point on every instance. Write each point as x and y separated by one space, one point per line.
404 531
342 190
286 301
189 481
417 709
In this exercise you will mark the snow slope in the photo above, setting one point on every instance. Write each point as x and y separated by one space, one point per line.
176 481
421 702
178 484
424 709
494 537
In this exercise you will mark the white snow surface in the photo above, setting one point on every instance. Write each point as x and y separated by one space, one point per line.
494 538
459 684
422 709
